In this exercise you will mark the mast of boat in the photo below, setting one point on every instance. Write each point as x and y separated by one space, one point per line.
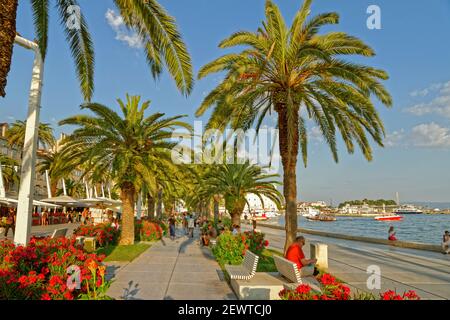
397 198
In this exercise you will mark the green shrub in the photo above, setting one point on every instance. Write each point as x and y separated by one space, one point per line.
229 249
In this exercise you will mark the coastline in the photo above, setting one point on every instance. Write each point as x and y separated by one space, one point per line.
398 243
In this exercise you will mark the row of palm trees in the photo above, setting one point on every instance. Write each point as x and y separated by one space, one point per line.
294 72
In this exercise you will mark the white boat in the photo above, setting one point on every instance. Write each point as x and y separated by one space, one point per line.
408 209
311 213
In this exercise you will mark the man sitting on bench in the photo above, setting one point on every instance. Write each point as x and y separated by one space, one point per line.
296 255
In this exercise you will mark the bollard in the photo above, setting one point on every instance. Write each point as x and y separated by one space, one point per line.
319 251
89 244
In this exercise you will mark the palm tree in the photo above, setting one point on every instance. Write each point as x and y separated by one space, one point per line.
16 135
74 188
58 168
10 174
235 181
8 12
293 69
156 28
127 147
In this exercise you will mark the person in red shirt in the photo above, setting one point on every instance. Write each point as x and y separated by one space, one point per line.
295 254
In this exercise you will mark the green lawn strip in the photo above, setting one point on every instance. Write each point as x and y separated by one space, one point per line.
123 253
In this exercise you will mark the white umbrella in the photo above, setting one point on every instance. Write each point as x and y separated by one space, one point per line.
44 204
62 200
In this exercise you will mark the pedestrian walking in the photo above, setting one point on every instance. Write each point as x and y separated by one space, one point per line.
446 242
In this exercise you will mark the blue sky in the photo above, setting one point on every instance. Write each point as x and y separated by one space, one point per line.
412 46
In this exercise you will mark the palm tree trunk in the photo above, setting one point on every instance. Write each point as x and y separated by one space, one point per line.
8 13
159 207
235 211
150 205
289 152
53 189
216 209
127 194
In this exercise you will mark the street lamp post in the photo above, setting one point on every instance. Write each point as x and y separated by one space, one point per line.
27 176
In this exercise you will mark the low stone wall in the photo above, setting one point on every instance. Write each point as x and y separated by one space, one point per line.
400 244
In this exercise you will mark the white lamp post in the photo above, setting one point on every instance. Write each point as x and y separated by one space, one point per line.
27 176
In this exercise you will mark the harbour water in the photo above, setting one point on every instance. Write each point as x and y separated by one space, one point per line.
416 227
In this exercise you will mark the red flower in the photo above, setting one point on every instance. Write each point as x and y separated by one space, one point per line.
328 279
303 289
411 295
46 296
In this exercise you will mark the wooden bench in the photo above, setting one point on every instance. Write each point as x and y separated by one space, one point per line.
246 270
289 270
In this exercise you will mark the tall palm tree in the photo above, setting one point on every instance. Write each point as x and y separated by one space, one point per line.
8 12
128 147
293 69
235 181
16 135
156 28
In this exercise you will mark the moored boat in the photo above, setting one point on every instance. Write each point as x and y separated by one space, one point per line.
388 217
322 217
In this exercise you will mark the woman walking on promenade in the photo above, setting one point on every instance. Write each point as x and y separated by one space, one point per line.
392 234
172 227
446 242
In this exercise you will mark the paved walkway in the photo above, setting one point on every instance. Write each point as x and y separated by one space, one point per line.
428 273
171 270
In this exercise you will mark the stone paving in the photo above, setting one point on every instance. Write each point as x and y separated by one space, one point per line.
170 270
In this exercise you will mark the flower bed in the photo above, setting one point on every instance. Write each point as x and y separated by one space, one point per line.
147 230
335 290
103 233
41 271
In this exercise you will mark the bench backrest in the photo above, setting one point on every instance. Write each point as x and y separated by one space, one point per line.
59 233
287 269
250 262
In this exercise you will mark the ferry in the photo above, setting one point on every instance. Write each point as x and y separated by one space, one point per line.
408 209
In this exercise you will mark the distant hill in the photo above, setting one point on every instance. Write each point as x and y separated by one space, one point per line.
378 202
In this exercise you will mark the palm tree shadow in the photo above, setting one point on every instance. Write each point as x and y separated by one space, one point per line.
131 292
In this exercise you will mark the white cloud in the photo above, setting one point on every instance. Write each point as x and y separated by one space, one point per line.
395 138
426 135
439 105
430 135
435 87
132 39
316 134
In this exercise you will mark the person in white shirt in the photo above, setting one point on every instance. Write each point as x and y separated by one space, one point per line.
191 225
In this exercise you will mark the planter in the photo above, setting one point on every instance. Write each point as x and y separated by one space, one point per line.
2 230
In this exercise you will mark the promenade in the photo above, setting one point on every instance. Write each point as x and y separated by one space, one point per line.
428 273
170 270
